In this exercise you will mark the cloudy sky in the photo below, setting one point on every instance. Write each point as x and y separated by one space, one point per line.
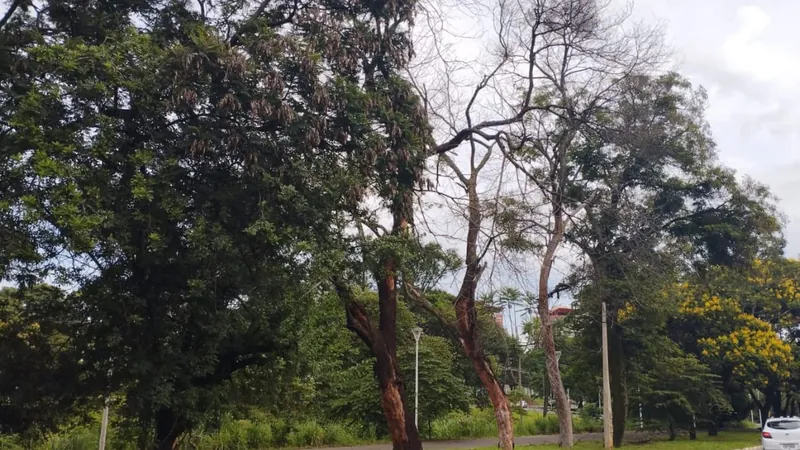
747 55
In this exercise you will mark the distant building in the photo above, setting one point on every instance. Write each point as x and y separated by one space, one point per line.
498 318
559 313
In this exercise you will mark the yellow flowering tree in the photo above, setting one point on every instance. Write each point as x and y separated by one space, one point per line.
729 336
742 322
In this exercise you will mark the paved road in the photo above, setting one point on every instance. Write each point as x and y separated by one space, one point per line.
492 442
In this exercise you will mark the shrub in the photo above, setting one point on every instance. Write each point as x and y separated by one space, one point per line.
458 425
336 434
259 435
10 443
307 434
77 439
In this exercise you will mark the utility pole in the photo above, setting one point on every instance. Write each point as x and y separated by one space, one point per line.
607 425
104 426
417 334
104 421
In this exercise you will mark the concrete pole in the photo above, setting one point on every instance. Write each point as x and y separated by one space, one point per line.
104 427
607 425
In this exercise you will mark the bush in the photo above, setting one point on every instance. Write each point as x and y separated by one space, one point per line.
336 434
307 434
259 435
458 425
78 439
10 443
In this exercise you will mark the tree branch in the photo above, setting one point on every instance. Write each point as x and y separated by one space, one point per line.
11 10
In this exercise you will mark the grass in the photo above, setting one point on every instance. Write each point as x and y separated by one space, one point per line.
725 441
481 424
261 433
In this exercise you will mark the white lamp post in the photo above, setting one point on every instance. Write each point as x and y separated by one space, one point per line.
417 335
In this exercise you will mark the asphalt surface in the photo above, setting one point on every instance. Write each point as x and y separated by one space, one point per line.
492 442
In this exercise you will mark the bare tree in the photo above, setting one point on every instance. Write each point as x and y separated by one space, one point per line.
553 66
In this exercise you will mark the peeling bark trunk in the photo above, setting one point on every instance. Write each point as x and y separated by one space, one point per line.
619 385
465 333
548 342
466 324
556 385
382 342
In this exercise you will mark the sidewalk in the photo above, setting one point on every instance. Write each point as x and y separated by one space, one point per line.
492 442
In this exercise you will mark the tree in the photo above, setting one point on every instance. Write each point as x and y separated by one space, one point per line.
648 180
718 323
553 63
184 172
40 376
342 377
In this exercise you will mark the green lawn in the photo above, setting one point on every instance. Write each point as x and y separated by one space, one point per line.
725 441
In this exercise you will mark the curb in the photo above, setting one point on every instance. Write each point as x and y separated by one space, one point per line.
758 447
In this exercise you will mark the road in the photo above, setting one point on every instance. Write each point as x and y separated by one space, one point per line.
492 442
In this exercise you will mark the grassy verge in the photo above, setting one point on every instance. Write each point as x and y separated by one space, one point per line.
481 424
725 441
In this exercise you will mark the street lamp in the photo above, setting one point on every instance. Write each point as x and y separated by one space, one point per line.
417 335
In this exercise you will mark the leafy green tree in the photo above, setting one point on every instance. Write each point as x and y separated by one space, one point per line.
654 198
41 384
183 172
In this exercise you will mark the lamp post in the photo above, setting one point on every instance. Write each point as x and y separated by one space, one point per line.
417 335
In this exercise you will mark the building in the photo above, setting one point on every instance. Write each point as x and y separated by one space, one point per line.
559 313
498 318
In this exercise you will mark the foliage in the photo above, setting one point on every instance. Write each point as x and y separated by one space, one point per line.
730 339
40 372
183 171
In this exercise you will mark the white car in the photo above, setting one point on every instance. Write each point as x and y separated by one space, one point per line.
781 433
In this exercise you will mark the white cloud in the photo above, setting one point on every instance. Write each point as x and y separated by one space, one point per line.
748 58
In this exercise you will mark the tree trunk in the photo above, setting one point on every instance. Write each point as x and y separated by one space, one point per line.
466 322
671 430
548 342
773 399
545 395
557 386
399 419
764 409
713 430
619 385
168 429
382 342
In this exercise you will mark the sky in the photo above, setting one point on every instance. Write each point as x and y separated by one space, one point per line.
747 56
